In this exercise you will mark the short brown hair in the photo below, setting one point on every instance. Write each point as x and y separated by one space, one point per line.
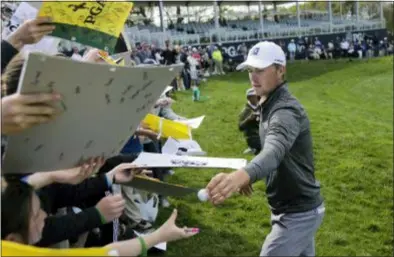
11 75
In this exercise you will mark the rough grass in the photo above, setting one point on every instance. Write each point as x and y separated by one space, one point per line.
350 105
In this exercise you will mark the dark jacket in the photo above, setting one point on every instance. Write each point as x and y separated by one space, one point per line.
286 158
7 53
84 195
169 56
250 127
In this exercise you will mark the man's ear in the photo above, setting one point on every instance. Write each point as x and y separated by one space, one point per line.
281 71
14 237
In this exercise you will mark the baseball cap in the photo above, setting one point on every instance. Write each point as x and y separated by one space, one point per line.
264 54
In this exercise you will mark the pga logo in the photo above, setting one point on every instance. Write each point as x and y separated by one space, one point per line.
255 51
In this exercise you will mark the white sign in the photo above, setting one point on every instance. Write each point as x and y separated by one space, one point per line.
102 107
23 13
182 147
193 123
154 160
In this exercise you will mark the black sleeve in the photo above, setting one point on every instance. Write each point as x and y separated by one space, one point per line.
7 53
59 228
85 194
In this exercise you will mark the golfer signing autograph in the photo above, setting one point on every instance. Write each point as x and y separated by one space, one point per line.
285 161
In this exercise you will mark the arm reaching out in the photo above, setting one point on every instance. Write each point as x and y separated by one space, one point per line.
168 232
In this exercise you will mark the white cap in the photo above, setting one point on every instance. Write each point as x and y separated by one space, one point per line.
264 54
250 92
168 89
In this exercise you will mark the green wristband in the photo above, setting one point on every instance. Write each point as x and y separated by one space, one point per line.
103 220
144 250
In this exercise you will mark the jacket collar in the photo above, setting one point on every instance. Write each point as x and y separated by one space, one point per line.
274 94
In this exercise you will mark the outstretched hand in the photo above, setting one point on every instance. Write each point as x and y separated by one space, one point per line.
123 173
76 175
170 232
224 185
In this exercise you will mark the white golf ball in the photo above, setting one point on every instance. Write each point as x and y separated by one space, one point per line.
202 195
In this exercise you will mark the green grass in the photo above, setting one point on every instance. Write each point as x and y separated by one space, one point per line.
350 106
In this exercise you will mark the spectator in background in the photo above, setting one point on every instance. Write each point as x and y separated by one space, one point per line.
337 47
196 55
156 54
344 47
207 63
318 44
249 122
330 49
386 45
243 50
363 46
358 49
134 58
351 51
370 49
169 54
382 48
193 70
301 48
183 81
218 60
145 53
390 48
76 56
292 50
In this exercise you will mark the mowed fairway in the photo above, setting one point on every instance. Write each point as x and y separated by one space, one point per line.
350 105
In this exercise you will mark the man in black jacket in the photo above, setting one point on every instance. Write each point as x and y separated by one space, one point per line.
169 54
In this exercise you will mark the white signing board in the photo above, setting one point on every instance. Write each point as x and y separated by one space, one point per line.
102 107
155 160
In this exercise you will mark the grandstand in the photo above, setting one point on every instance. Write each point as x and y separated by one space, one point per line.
274 25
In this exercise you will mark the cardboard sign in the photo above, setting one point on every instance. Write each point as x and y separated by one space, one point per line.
161 188
102 107
94 23
155 160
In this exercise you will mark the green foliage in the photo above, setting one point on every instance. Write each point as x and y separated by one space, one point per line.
350 105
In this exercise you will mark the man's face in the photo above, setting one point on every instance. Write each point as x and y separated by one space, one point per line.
265 80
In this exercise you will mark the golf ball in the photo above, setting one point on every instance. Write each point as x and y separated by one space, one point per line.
202 195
